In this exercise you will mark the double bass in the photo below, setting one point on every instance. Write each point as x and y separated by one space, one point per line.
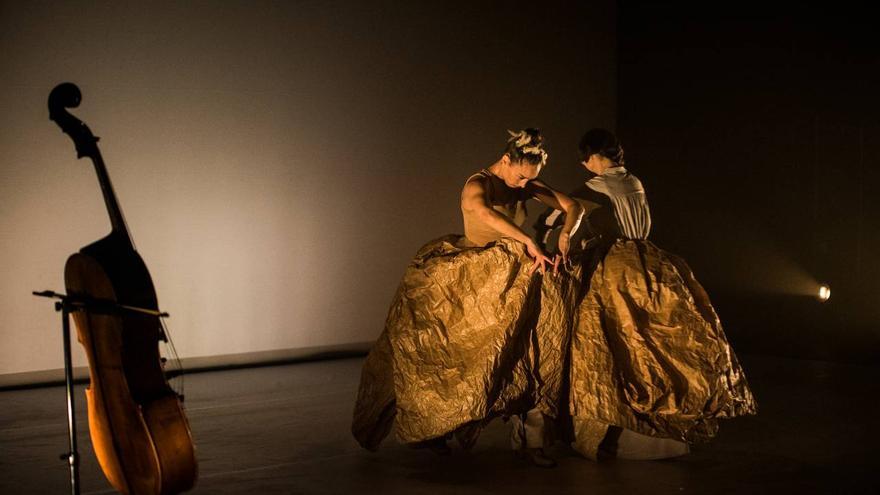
137 424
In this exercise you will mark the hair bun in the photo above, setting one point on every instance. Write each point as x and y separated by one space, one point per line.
526 144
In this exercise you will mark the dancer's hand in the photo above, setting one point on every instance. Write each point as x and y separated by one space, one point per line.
540 258
563 244
556 260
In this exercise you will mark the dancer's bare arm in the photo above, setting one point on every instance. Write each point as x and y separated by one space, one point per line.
473 201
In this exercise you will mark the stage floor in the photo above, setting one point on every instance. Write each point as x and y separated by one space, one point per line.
285 429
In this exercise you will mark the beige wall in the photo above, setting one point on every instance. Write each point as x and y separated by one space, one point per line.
278 163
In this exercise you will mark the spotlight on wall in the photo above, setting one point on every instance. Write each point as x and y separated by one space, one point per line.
824 293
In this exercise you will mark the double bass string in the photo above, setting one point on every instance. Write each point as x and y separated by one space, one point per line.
174 367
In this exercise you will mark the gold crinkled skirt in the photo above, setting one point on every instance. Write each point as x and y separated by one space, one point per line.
624 337
648 352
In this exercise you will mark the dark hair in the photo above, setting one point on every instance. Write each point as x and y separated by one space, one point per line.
517 153
603 142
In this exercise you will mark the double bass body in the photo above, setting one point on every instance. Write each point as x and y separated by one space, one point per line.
138 428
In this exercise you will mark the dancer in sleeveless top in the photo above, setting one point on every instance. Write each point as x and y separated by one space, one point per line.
459 343
650 367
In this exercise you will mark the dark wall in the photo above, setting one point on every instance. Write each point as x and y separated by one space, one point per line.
756 133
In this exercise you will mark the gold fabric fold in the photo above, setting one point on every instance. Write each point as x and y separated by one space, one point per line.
458 345
648 352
